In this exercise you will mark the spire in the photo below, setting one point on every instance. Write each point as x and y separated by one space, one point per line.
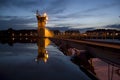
37 12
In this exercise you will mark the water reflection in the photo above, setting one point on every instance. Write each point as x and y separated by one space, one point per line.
42 43
101 69
79 57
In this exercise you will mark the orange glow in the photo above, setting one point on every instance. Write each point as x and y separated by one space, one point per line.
45 58
42 52
41 27
48 33
47 42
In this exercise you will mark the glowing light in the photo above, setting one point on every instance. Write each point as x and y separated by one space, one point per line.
116 34
48 33
46 17
45 14
46 55
45 60
107 33
13 39
36 60
47 42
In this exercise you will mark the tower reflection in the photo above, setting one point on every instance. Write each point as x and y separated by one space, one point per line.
42 43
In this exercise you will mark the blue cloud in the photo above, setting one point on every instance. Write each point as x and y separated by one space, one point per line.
61 12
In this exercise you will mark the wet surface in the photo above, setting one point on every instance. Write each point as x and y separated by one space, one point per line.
18 62
103 70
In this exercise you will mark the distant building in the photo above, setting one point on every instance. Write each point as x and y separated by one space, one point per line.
103 34
18 33
72 32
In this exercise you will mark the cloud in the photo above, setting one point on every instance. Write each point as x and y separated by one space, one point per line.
87 13
56 7
52 6
114 26
101 7
59 28
61 13
82 30
77 16
18 3
16 22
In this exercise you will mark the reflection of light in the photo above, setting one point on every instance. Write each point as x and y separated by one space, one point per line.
26 38
46 55
42 52
45 60
47 42
36 60
42 56
13 38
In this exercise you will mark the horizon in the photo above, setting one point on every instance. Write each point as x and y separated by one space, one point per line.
82 30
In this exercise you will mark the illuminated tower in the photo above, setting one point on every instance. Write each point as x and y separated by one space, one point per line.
42 20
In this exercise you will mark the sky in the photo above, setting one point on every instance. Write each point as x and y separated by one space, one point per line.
70 14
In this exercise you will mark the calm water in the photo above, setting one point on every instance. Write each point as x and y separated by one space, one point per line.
105 71
43 60
33 61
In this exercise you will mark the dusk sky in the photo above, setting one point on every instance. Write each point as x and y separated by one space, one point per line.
20 14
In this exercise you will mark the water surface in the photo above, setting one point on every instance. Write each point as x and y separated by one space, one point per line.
25 61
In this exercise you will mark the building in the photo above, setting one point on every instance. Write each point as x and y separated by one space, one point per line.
103 34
